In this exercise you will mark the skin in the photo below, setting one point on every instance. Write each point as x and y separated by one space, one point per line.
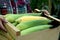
45 11
2 21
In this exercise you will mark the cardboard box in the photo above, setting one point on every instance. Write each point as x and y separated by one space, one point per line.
49 34
14 34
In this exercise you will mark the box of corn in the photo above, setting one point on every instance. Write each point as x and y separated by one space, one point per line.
31 26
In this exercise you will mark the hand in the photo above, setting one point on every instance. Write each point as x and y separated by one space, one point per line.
45 12
2 21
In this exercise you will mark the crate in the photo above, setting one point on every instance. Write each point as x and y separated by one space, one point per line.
48 34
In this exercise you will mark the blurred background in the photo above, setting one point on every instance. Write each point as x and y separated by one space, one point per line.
28 6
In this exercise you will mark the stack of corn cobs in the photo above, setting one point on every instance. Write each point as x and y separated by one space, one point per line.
28 23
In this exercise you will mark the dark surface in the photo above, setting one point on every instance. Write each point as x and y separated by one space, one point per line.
55 24
59 36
